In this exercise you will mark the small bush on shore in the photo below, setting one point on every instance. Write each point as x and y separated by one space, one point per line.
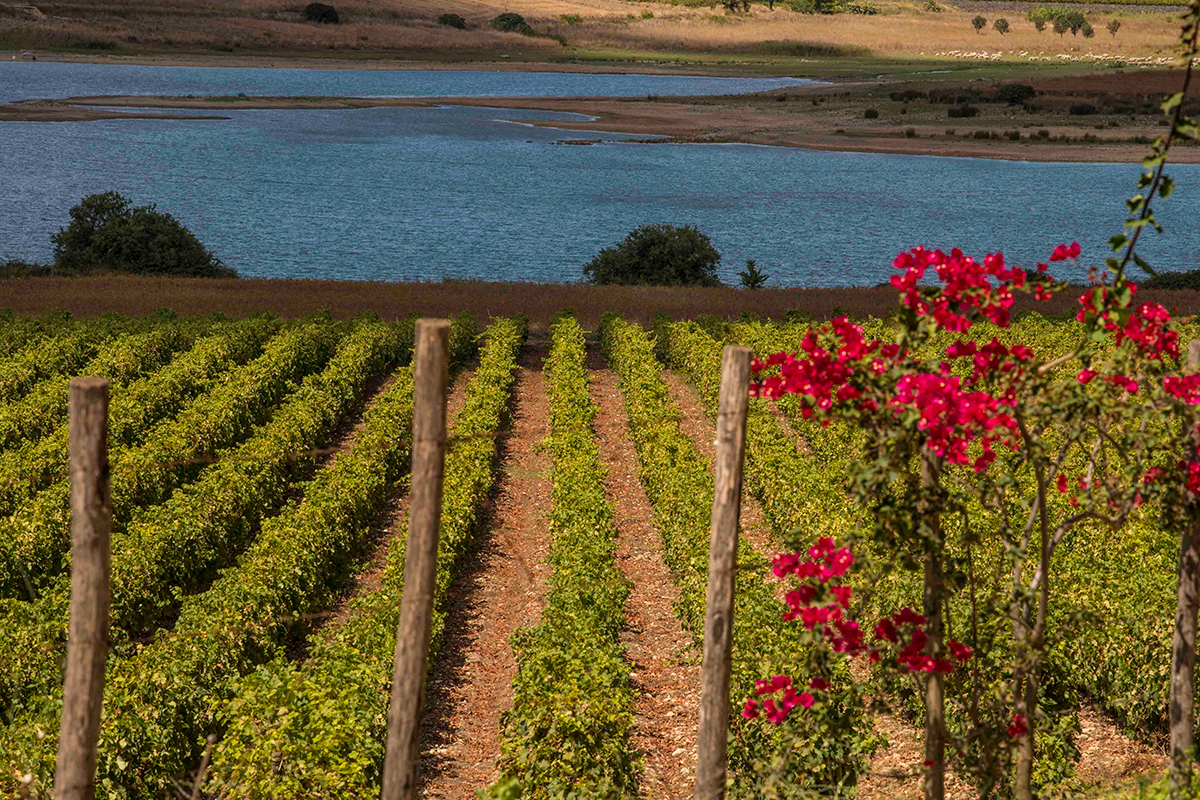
1015 93
107 232
452 21
512 22
871 113
1082 110
322 13
657 255
1175 280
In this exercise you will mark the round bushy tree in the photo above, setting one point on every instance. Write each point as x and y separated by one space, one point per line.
107 232
658 255
321 12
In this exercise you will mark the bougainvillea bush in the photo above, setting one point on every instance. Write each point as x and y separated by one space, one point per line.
978 452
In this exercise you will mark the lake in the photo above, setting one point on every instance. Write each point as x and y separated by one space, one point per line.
458 192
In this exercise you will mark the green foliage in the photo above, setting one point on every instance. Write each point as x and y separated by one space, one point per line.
127 357
160 699
567 733
978 23
34 541
571 19
657 255
452 21
107 232
871 113
1174 280
962 112
29 468
512 22
932 6
1087 30
322 13
1015 93
1082 109
172 549
1113 26
1001 25
752 277
329 743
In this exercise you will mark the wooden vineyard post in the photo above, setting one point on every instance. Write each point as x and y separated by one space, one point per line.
1183 645
91 593
722 563
431 372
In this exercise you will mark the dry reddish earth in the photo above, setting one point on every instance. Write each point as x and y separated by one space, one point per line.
390 522
501 589
666 662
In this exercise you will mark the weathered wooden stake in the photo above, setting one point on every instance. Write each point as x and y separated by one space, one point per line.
722 563
1183 645
91 594
420 564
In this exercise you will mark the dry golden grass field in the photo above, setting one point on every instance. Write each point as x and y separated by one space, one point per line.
585 30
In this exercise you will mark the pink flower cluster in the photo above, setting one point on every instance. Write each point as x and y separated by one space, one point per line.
1183 387
824 373
906 630
821 596
952 418
967 284
1148 325
784 698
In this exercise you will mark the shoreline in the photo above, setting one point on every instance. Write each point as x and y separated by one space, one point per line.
679 120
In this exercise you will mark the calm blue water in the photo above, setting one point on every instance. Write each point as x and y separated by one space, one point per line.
429 193
24 80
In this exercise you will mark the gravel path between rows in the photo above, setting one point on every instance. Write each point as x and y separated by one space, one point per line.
666 663
501 587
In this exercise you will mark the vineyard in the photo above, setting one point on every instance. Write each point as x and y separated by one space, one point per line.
259 481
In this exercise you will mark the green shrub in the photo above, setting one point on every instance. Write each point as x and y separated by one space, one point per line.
1087 30
983 135
979 23
752 277
657 255
511 22
910 132
962 112
932 6
1015 93
452 21
1114 26
1001 26
571 19
1174 280
1082 109
871 113
321 12
107 232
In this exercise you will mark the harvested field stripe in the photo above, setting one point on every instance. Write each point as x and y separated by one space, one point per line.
572 698
171 550
329 741
161 700
665 660
34 542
